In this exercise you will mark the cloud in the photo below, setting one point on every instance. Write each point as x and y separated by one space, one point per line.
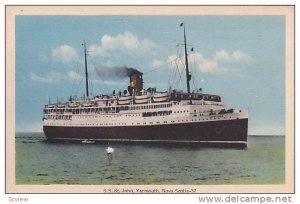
55 77
157 63
234 57
73 76
174 59
207 65
216 64
49 78
126 42
65 53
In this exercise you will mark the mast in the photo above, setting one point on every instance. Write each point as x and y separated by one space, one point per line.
86 72
188 75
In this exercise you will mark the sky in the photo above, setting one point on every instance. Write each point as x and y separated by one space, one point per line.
240 58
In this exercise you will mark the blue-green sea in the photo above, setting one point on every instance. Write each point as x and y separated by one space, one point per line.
40 162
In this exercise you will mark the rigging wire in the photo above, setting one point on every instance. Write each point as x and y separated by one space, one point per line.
74 89
175 73
178 82
79 84
91 84
73 86
172 78
196 73
192 68
154 69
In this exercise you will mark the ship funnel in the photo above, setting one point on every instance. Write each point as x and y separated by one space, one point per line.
136 82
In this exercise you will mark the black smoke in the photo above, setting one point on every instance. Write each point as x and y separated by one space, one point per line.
116 72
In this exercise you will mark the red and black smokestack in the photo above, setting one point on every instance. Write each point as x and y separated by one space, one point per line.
136 82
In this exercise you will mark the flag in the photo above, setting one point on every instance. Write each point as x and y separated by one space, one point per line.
181 24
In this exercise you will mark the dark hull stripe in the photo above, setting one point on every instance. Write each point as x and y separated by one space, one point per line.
230 131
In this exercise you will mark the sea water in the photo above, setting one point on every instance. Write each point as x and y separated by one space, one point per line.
41 162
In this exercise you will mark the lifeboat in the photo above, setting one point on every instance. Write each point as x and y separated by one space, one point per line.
124 100
142 99
161 97
61 106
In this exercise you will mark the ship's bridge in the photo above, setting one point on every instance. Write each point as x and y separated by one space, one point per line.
179 96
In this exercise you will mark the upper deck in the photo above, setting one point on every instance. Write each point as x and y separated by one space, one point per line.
102 101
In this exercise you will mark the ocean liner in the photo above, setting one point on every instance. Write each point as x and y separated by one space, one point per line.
139 115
